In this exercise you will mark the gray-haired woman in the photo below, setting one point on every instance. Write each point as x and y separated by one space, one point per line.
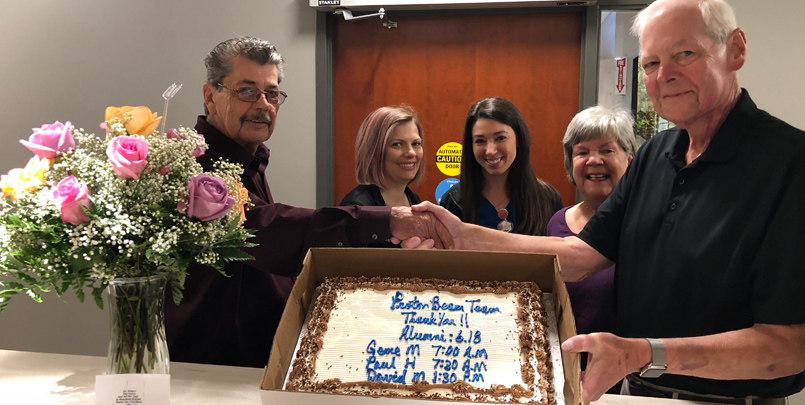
599 144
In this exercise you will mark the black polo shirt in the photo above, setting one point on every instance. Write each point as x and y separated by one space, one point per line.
712 246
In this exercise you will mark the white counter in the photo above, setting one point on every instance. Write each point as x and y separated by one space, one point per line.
50 379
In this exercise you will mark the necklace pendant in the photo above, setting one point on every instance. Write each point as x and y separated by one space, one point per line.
504 225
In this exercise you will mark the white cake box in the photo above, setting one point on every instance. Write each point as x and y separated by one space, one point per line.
443 264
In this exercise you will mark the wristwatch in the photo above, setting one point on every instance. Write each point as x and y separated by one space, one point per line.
657 365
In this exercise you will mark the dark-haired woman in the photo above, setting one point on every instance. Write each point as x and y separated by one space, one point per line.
498 186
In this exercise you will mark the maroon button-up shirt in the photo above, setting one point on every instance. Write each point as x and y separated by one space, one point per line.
232 320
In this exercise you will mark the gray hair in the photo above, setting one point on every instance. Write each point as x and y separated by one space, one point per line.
596 123
219 60
717 15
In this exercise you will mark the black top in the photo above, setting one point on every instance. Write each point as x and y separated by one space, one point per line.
369 195
232 320
451 200
712 246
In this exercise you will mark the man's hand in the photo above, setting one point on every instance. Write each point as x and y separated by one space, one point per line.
610 359
451 223
418 229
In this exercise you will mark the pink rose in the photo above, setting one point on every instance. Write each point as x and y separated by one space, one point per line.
174 134
208 198
127 155
70 196
49 140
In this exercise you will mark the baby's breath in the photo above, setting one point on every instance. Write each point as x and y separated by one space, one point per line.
136 226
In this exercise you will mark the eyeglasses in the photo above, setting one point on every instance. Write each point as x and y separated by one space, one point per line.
252 94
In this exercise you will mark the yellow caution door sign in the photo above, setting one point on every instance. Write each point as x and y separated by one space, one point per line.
448 159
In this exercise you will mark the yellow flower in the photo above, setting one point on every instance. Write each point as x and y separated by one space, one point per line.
25 180
137 120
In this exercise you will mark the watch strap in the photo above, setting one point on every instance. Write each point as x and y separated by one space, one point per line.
657 366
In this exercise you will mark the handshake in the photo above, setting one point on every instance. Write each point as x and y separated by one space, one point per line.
426 226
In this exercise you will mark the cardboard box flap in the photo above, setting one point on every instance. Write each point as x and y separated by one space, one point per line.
566 323
282 349
444 264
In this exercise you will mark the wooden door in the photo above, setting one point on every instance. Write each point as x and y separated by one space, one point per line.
442 64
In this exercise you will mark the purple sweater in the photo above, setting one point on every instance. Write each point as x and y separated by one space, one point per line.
593 299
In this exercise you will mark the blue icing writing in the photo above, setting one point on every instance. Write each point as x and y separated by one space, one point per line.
443 320
373 364
410 317
481 308
448 306
412 363
477 366
397 302
477 354
444 378
396 378
408 333
413 350
472 371
373 348
471 338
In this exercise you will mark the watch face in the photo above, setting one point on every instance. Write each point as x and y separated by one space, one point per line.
652 371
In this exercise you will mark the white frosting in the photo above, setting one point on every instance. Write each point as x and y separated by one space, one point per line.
481 346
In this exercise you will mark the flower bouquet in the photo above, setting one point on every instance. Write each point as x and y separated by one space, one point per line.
87 212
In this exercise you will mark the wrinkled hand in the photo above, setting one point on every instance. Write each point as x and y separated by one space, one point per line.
450 223
420 229
610 359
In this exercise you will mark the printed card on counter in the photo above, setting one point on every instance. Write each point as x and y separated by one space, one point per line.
133 389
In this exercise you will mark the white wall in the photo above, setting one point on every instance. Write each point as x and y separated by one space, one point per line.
69 60
616 42
773 72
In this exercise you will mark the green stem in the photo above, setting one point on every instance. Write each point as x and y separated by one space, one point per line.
138 338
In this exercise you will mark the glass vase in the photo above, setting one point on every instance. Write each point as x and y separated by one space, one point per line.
137 341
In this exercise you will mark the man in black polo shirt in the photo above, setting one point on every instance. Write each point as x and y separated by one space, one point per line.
704 227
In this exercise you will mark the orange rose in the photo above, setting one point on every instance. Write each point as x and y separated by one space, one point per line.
241 196
137 120
26 180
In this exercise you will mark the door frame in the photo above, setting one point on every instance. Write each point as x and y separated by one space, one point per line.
325 132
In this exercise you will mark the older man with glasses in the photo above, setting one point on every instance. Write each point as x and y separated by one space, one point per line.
232 320
705 227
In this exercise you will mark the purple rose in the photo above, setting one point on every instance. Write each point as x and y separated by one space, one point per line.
208 198
49 140
174 134
199 150
127 155
70 196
